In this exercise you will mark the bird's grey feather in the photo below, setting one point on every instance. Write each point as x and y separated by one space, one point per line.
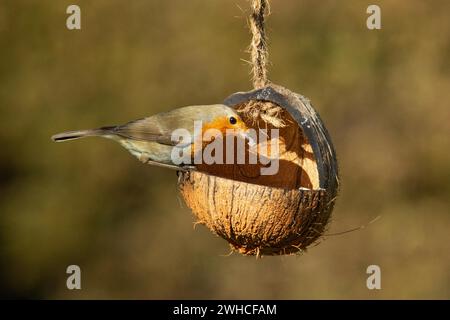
159 128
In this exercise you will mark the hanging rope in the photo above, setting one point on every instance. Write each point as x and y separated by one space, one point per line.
255 111
258 46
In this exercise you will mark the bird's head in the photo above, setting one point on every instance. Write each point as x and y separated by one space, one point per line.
225 119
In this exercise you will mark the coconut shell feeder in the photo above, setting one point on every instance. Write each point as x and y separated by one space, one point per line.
275 214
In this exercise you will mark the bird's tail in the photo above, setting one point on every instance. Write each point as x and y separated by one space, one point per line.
71 135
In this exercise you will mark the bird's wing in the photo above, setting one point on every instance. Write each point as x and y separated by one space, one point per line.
157 128
140 130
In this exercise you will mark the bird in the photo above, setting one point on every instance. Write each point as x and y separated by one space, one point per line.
150 139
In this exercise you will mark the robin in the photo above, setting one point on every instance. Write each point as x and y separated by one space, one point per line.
151 139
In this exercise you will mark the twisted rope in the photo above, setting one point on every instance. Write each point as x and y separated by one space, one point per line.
258 46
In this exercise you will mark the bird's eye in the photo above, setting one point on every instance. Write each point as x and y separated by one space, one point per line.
233 120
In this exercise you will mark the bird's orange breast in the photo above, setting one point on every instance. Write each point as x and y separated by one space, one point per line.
220 123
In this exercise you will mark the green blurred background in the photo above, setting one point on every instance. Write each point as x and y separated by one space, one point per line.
384 96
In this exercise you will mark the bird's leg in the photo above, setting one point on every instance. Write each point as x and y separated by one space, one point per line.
163 165
184 173
186 167
146 159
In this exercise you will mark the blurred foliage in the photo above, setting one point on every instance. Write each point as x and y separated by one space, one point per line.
383 95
